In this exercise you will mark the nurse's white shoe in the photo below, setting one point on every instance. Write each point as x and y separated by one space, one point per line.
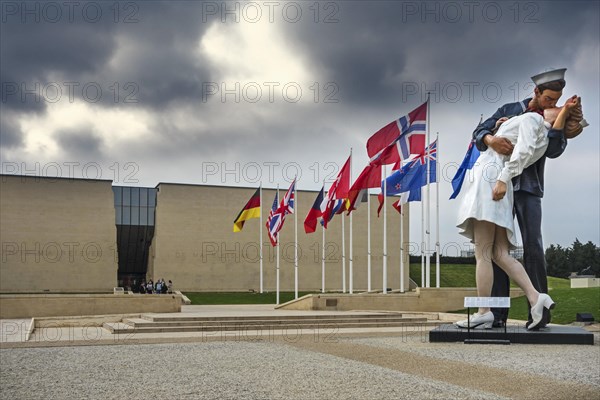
478 321
537 311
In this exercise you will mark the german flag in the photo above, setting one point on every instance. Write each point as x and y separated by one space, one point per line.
250 210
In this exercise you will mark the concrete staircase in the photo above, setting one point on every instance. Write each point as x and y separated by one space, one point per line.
149 323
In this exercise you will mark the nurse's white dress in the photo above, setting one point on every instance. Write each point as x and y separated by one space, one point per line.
528 133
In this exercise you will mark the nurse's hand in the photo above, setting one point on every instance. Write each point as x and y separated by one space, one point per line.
499 191
500 122
501 145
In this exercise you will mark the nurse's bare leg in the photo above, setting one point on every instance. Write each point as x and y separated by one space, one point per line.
484 232
511 266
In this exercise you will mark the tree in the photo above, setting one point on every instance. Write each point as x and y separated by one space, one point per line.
562 261
557 261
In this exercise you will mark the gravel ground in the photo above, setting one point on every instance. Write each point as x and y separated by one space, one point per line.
219 370
579 363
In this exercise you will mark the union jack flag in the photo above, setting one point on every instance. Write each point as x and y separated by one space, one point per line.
287 202
409 180
432 150
277 214
413 175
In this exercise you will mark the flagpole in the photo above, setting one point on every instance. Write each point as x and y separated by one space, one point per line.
260 244
323 248
423 280
428 210
277 300
343 255
402 248
296 237
437 211
350 270
384 230
368 241
422 240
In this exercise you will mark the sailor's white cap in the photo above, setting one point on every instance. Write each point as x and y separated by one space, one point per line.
549 76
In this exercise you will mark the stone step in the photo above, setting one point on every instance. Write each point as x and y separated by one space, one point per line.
165 318
120 328
138 322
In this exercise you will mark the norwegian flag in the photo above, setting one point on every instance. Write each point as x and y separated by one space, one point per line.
399 139
277 214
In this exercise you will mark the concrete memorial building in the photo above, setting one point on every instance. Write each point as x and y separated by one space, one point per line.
87 236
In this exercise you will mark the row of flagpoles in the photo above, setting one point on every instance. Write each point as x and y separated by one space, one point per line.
415 166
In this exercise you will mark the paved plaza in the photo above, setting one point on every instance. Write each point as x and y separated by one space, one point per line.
377 363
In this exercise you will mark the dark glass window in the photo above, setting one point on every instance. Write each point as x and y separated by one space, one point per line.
152 197
135 196
134 216
144 196
126 216
126 196
118 194
144 215
119 215
151 211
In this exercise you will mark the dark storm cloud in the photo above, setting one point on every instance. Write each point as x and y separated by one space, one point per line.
152 47
11 136
80 144
162 56
144 56
151 53
158 59
374 41
34 50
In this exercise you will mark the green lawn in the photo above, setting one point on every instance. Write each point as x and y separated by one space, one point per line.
451 275
463 275
569 301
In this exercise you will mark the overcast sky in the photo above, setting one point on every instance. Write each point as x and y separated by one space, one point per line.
237 93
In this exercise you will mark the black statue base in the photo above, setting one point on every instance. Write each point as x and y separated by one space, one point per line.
513 334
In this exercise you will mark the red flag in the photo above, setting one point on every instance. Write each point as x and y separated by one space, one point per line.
370 177
398 206
338 191
339 188
405 136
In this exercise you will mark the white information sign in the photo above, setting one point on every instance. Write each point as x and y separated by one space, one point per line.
488 302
